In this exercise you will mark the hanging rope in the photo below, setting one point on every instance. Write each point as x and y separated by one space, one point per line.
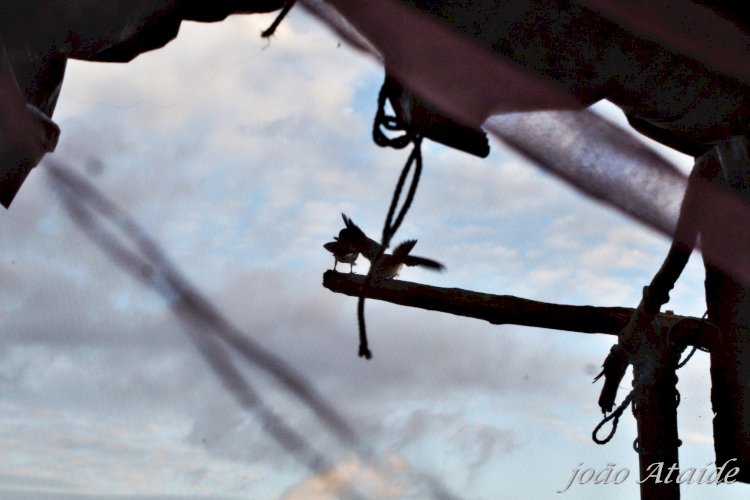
410 136
695 330
268 32
615 417
415 158
645 377
390 122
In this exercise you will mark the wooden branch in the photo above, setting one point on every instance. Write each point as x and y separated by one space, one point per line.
507 309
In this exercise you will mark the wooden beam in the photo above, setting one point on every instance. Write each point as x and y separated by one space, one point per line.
507 309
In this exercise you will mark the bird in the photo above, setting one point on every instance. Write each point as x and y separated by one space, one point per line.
389 265
359 240
352 239
343 249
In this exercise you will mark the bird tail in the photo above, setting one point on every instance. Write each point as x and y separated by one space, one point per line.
413 260
401 253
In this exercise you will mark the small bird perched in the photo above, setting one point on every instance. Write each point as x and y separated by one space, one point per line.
352 240
359 240
343 247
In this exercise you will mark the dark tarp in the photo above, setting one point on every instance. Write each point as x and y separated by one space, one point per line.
679 71
37 38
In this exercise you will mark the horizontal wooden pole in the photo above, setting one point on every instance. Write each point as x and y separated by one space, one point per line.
507 309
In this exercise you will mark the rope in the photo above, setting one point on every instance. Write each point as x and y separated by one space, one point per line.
614 415
695 348
631 398
637 448
637 387
415 158
268 32
410 136
389 122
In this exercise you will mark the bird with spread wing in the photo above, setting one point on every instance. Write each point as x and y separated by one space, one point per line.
352 241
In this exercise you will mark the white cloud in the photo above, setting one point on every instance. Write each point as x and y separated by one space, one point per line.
238 158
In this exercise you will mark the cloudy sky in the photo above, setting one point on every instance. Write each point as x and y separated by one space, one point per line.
238 156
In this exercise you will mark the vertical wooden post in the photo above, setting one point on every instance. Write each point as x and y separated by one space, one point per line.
654 359
656 414
728 299
730 398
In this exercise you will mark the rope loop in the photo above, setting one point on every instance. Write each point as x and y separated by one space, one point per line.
615 417
391 225
645 378
391 123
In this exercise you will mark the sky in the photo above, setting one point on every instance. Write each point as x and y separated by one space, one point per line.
237 155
